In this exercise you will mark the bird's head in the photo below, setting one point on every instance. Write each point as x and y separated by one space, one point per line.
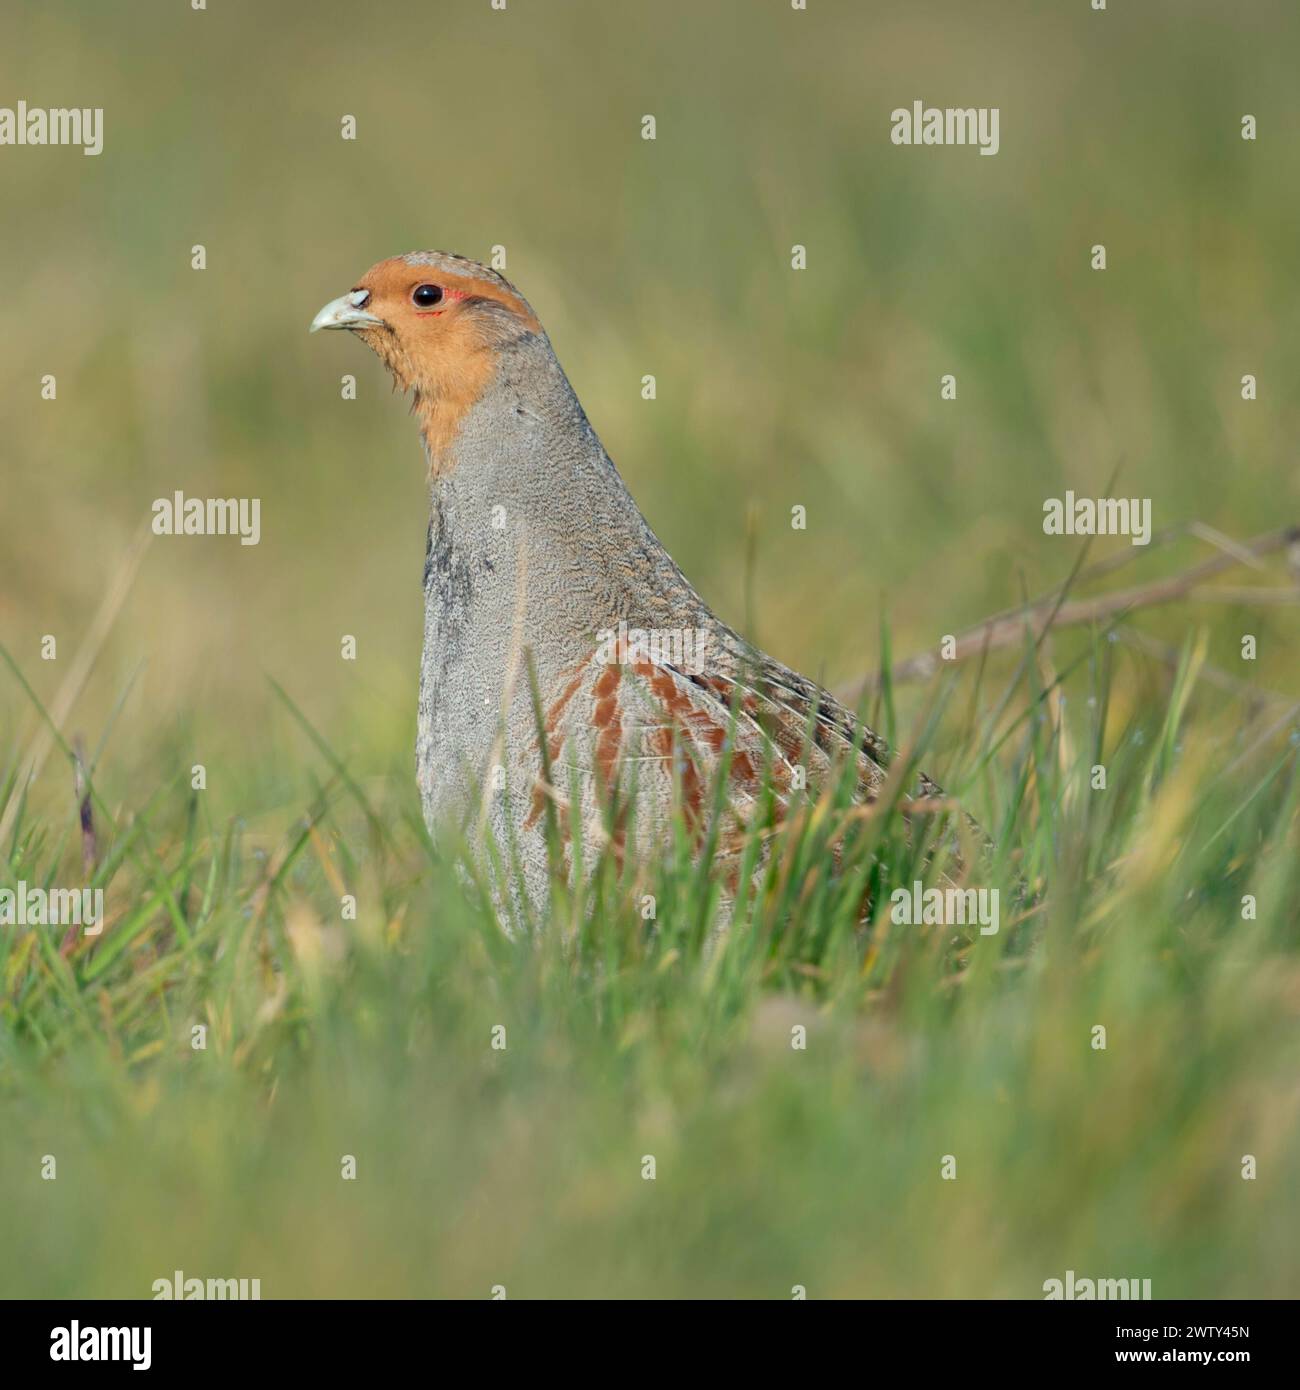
438 322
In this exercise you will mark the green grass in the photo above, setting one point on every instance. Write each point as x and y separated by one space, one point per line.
775 1165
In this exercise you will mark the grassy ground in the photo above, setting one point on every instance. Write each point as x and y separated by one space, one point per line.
522 1163
775 1166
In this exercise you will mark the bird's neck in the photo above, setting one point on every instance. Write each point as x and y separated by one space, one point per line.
528 498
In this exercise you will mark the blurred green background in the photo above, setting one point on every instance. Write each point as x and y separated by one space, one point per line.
776 388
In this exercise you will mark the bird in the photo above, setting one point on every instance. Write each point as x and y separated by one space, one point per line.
569 669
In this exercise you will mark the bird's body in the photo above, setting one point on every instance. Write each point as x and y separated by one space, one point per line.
540 567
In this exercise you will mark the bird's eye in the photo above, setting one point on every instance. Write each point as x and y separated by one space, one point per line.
426 296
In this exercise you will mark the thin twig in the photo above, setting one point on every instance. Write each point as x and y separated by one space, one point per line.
1051 611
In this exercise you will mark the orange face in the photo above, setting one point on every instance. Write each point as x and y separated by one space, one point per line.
438 323
407 293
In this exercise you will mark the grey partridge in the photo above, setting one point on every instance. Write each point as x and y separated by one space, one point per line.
540 567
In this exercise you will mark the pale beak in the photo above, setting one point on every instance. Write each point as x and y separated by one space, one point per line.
346 312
